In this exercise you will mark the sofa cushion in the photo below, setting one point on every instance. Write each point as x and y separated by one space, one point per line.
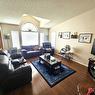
36 47
29 48
30 51
33 52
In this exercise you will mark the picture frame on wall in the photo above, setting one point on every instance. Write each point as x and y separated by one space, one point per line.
60 35
85 38
66 35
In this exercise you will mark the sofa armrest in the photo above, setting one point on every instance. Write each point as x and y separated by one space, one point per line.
17 78
24 53
23 50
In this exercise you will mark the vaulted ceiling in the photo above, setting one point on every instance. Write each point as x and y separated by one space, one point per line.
56 11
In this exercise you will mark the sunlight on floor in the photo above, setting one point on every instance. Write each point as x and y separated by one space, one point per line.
34 72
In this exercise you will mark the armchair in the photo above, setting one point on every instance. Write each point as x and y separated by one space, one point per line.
66 52
47 48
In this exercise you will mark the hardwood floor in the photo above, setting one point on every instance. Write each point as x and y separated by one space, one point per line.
68 86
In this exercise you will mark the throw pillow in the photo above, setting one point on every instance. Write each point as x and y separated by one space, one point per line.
36 48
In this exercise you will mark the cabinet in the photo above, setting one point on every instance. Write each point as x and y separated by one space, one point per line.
91 67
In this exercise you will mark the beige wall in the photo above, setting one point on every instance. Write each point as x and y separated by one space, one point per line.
29 19
82 23
6 29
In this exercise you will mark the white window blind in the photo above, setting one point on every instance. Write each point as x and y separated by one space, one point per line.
41 38
53 39
29 38
15 39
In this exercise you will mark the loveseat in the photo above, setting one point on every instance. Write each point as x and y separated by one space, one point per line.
30 51
10 77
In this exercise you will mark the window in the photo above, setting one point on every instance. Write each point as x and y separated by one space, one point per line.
28 27
29 34
53 38
15 39
29 38
41 38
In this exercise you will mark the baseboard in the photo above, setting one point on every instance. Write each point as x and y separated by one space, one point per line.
72 60
80 63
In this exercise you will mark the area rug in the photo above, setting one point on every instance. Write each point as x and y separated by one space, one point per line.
52 79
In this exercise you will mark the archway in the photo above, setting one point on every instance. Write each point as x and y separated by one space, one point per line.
29 34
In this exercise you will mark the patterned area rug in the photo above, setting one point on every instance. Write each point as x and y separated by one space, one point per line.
52 79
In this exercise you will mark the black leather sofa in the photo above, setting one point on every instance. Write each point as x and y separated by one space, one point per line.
10 77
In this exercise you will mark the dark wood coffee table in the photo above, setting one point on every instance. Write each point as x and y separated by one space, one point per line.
53 64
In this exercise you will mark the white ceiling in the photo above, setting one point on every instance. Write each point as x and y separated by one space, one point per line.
56 11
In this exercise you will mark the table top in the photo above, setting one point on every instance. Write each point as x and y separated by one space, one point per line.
52 60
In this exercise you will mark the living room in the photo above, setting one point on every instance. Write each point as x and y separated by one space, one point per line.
75 19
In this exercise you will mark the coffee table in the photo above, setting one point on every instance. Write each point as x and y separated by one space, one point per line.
52 64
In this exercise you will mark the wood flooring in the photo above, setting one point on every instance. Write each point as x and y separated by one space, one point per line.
68 86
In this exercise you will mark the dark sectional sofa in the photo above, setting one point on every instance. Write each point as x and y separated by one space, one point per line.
30 51
11 77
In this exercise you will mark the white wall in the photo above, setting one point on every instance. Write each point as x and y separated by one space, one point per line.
84 23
